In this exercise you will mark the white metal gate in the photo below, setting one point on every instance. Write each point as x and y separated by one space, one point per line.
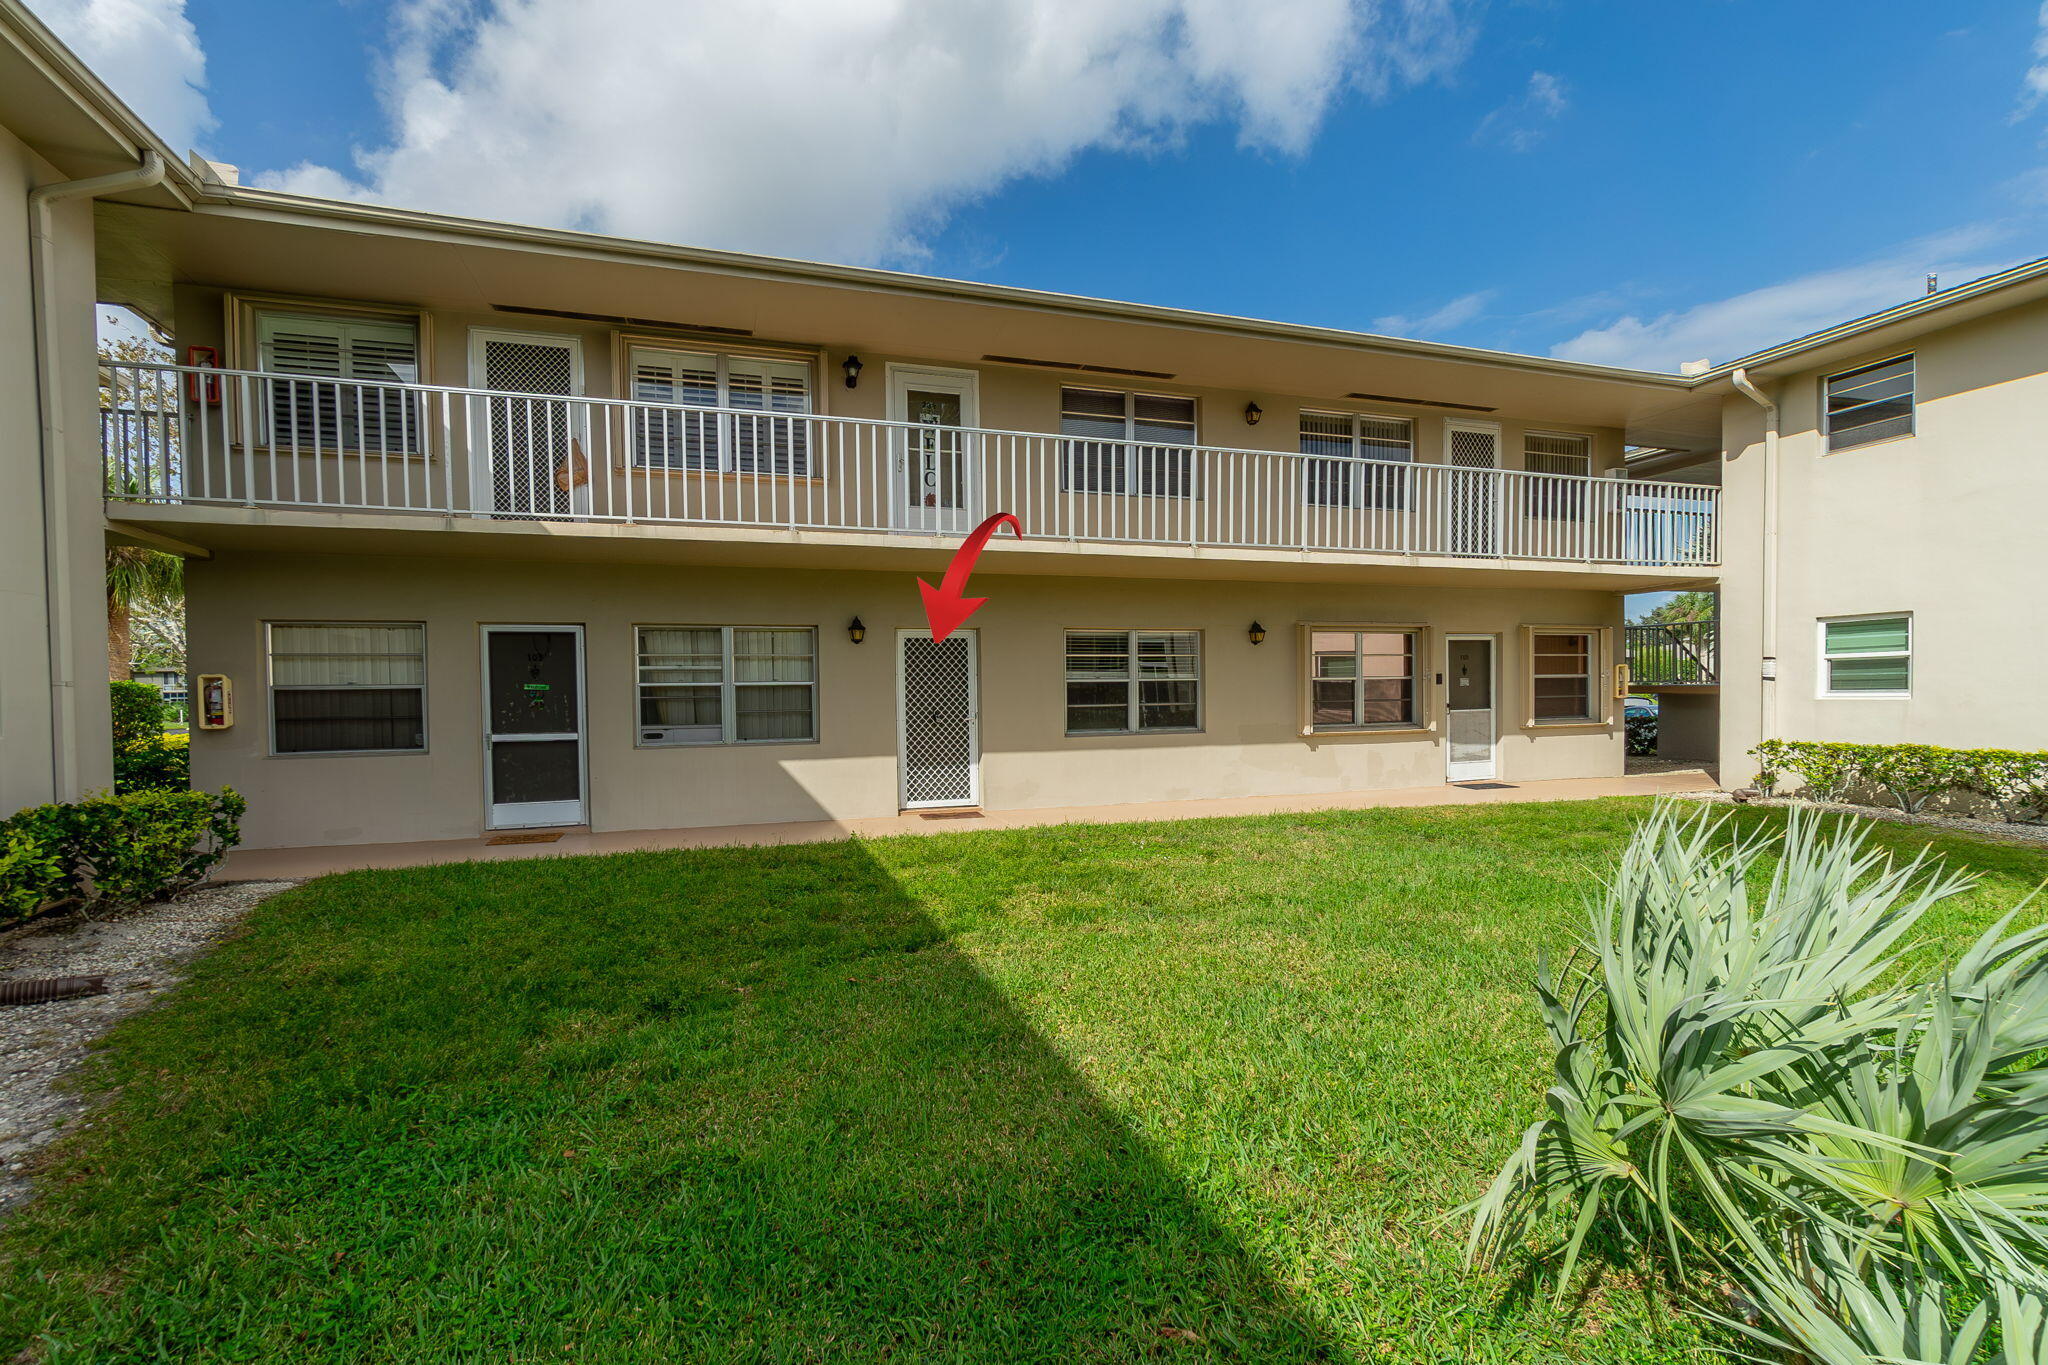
536 464
1472 502
939 709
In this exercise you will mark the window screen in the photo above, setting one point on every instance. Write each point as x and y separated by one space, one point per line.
1352 454
347 687
765 431
1361 679
727 684
345 401
1108 452
1562 676
1867 655
1125 681
1874 403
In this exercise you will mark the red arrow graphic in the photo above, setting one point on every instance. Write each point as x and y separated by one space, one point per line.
944 606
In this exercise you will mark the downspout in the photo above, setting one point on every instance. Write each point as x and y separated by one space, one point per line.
1767 697
57 584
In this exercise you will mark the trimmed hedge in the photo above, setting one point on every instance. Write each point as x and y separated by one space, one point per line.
145 758
2014 782
114 850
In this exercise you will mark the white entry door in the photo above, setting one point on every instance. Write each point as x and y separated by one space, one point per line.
1471 728
938 688
934 478
531 460
533 726
1472 504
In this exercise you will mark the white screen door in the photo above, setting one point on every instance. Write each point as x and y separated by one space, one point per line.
533 726
534 456
1470 730
939 708
1472 509
934 481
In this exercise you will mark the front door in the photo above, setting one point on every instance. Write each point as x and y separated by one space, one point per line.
1472 501
933 483
1469 710
532 461
939 710
533 726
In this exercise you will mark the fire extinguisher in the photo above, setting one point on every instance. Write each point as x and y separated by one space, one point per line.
203 388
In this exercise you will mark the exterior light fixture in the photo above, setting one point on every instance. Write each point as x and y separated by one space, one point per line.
855 631
853 368
1252 413
1257 633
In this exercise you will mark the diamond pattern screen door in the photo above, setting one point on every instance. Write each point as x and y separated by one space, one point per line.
939 706
1472 502
531 428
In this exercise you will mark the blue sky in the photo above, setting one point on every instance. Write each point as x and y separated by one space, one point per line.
1629 182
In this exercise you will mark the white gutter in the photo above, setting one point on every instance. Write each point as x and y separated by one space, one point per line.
1767 697
49 349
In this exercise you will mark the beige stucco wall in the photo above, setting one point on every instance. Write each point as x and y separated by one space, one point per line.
1250 744
1950 524
26 736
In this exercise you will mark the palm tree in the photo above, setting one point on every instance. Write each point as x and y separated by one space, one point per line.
136 577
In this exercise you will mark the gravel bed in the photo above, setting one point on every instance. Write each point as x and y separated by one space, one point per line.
140 952
1962 824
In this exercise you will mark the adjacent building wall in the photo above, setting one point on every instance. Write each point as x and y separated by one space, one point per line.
1250 743
27 740
1950 524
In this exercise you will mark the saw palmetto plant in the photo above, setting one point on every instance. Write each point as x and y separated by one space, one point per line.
1747 1091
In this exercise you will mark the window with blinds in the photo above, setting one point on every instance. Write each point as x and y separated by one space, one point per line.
347 687
1352 454
1129 681
1561 676
762 431
346 400
1869 405
1362 679
727 684
1108 452
1544 453
1867 656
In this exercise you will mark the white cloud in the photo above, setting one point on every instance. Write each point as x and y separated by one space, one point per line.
847 130
1522 123
147 52
1725 329
2034 85
1448 318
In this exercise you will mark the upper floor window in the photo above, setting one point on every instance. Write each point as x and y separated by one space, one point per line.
343 403
777 441
728 684
1548 453
1128 681
1116 460
347 687
1872 404
1352 451
1361 679
1867 656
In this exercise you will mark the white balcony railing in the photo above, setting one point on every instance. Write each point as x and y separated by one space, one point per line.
173 434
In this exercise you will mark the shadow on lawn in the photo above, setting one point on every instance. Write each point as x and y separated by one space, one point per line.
691 1105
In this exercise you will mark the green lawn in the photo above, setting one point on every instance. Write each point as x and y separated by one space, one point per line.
1191 1091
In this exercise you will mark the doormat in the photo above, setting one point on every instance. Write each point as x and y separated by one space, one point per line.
1485 786
951 815
522 839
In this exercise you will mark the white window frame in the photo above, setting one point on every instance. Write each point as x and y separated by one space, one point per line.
728 708
1132 679
1557 500
1599 711
1417 682
1130 445
271 688
722 413
1827 416
1824 674
349 405
1393 482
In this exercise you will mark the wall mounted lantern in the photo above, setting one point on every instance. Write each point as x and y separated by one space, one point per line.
1252 413
855 631
1257 633
853 368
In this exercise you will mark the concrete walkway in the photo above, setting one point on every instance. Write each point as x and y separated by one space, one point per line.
277 864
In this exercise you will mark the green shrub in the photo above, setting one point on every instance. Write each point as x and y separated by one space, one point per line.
139 713
160 764
114 850
1746 1094
1913 774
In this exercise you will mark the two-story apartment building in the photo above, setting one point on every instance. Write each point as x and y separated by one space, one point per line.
495 527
